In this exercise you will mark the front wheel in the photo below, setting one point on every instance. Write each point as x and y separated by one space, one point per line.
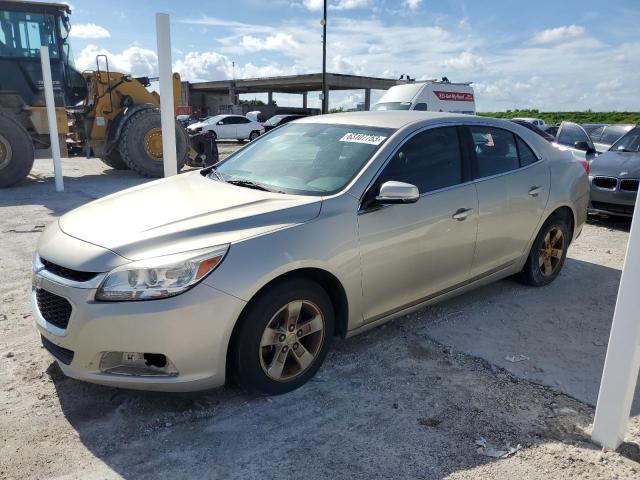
283 337
548 253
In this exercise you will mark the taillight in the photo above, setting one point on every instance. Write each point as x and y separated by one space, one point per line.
586 166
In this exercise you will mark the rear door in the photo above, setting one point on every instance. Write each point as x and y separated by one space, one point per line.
243 127
513 188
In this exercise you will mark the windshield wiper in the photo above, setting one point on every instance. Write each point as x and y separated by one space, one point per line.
216 174
254 185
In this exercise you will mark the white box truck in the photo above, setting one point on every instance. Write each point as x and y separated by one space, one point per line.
432 95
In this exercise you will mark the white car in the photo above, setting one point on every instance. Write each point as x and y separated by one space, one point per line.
430 95
229 127
538 122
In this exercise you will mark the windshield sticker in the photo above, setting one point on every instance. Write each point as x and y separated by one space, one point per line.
363 138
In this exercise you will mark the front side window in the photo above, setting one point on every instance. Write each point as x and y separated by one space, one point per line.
629 143
570 133
495 149
305 158
421 106
430 160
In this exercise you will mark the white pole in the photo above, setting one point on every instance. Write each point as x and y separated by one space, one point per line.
51 116
622 363
167 114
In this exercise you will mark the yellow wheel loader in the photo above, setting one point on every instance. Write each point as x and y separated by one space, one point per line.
108 115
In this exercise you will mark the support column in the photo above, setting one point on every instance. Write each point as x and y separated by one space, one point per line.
304 99
269 97
232 93
325 100
367 99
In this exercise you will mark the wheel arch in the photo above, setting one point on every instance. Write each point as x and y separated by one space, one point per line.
325 279
567 212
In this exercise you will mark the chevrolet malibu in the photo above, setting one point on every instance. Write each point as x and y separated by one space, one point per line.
326 227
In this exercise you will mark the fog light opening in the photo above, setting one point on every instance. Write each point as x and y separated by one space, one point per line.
155 360
137 364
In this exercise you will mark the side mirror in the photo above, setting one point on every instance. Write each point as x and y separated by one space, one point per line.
220 123
582 146
397 192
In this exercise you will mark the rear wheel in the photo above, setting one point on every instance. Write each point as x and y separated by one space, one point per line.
16 151
548 253
141 143
114 160
254 135
283 337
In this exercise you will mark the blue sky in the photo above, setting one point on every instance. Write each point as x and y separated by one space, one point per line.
551 55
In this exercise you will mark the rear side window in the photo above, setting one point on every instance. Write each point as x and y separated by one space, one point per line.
241 120
613 133
496 151
430 160
527 157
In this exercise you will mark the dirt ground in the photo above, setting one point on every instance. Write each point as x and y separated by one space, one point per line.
427 396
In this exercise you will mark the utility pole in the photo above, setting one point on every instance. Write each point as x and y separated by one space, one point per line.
325 106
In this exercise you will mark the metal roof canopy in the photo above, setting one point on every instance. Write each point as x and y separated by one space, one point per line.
294 84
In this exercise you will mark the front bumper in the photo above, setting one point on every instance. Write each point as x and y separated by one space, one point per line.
192 330
612 201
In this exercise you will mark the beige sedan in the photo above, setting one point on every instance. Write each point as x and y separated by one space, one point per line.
324 227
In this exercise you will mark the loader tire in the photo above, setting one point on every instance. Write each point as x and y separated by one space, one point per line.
141 143
114 160
16 151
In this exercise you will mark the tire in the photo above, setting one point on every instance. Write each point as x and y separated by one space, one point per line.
214 135
251 363
253 135
114 160
17 150
140 143
544 253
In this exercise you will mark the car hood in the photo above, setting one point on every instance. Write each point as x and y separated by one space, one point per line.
615 163
183 213
197 125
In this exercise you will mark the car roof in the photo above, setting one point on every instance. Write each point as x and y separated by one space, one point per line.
385 119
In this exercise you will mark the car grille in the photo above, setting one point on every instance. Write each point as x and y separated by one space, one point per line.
613 207
62 354
605 182
629 185
67 273
53 308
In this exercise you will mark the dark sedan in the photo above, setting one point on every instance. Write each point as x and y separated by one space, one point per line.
614 177
278 120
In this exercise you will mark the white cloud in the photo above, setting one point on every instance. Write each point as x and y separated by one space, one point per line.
553 35
313 5
608 85
349 4
411 4
466 61
341 64
89 30
279 41
135 60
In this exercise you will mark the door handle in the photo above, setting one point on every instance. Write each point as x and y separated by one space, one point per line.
535 190
462 214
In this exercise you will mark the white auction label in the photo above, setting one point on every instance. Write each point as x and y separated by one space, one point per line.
363 138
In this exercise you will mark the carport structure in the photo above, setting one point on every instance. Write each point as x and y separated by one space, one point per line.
220 92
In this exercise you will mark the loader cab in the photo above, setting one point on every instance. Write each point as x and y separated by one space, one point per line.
24 27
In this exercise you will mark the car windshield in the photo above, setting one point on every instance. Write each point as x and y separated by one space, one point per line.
392 106
304 158
273 121
629 143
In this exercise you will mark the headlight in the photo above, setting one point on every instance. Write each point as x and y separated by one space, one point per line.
160 277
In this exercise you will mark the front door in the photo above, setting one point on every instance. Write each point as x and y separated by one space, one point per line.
226 128
414 251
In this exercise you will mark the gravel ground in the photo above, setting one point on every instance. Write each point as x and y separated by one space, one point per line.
407 400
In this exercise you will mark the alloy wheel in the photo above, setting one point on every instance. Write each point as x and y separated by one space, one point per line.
291 340
551 251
